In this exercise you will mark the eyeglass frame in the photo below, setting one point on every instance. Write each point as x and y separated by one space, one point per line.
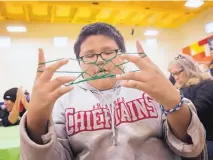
100 54
177 73
179 57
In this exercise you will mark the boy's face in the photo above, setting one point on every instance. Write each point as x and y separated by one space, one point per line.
9 105
89 49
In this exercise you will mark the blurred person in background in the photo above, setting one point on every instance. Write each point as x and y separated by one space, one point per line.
9 101
2 107
27 95
15 103
211 63
197 86
172 79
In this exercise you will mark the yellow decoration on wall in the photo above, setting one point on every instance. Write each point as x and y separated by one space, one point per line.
196 49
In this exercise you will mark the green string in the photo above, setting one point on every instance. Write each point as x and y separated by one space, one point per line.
95 77
58 60
62 71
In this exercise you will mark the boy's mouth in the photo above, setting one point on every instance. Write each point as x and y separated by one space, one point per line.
101 71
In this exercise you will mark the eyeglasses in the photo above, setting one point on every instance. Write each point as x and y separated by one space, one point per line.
179 57
177 73
105 55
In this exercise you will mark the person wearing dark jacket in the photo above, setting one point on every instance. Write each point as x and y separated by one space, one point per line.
201 95
197 86
5 120
211 63
9 101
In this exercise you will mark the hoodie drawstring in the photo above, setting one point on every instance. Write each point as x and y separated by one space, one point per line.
112 113
113 125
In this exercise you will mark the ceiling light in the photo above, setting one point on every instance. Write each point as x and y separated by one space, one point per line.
60 41
5 41
151 33
151 42
194 3
16 29
209 27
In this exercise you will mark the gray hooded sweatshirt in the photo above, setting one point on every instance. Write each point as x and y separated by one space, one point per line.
116 124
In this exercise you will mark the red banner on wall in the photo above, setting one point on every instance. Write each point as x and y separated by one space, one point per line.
200 51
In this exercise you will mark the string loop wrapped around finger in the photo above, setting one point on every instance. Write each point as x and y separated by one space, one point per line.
142 54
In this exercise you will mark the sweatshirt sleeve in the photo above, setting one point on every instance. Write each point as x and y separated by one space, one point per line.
195 130
56 144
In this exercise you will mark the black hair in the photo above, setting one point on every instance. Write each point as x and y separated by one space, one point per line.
99 29
172 79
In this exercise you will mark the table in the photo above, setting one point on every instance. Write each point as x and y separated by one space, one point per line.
9 143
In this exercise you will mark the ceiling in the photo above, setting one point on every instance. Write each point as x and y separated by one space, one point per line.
164 14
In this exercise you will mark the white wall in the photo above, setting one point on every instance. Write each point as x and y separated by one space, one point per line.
194 30
18 62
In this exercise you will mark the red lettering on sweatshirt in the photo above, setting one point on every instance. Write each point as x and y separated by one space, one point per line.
100 116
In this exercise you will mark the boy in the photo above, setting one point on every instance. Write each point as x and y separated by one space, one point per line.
111 118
